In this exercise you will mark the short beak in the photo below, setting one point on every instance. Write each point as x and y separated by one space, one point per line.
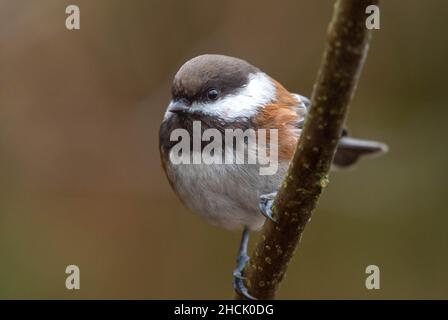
177 107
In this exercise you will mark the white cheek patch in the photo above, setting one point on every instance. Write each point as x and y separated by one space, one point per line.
245 103
167 115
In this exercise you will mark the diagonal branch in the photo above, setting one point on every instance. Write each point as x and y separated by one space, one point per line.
346 49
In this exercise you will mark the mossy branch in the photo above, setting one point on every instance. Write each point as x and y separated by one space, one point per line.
345 52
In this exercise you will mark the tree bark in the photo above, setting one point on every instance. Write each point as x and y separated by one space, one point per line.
307 175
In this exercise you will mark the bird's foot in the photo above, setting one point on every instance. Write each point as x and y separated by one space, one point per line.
238 279
241 261
266 202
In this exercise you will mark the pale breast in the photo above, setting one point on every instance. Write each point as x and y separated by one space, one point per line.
226 195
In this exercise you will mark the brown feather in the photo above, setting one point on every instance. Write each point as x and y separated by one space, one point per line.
281 115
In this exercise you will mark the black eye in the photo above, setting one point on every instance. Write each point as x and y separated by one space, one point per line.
213 94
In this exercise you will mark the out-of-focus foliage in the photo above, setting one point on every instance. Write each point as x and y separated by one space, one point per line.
81 183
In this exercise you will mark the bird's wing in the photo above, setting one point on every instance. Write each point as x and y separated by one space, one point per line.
349 150
303 104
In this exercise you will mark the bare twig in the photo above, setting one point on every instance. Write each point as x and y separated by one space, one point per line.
346 49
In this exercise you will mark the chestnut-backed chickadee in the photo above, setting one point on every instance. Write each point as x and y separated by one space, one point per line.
223 93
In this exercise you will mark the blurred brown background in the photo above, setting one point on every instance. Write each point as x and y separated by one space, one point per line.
81 183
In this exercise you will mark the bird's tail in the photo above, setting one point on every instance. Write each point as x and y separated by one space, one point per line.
350 150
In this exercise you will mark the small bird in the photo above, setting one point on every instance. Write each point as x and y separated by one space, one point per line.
222 93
